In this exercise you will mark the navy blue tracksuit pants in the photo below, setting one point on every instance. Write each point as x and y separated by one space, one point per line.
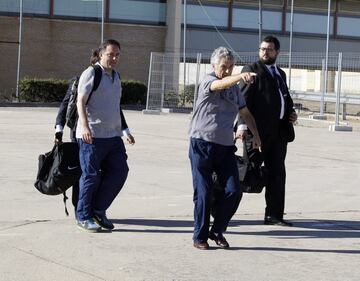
206 158
104 171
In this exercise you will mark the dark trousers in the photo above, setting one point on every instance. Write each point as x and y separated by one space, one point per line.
104 171
274 152
206 158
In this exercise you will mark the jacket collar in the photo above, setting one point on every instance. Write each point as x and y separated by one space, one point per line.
264 68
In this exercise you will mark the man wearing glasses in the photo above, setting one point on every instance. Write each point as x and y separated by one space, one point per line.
269 101
103 158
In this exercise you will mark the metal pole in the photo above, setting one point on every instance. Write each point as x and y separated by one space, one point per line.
149 82
198 64
102 20
338 91
19 51
291 38
323 87
260 21
162 83
327 54
184 49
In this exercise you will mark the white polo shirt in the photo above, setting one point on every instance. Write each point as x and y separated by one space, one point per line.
103 108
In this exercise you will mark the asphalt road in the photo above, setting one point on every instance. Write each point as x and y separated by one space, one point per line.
153 213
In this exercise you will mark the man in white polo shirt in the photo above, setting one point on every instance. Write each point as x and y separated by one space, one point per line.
103 156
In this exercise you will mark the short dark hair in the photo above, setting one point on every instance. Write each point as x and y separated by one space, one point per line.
95 55
109 42
272 39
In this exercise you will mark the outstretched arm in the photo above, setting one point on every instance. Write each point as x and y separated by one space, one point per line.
227 82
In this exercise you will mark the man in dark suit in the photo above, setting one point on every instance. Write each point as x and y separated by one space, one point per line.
269 101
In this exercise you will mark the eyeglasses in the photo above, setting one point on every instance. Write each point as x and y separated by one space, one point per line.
266 49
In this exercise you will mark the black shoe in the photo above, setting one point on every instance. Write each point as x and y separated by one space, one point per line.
103 221
219 240
269 220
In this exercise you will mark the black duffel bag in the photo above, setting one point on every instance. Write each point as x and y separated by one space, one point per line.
252 174
255 174
58 169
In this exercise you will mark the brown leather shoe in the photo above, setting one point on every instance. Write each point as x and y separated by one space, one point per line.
201 245
269 220
219 240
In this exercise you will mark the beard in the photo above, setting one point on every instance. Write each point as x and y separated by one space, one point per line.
269 61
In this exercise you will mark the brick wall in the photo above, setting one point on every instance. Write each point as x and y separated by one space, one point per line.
61 49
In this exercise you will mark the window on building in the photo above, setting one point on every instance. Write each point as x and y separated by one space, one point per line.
249 19
348 26
29 6
138 11
265 3
78 8
204 15
309 23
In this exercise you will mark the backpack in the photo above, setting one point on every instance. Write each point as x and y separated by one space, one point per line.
58 170
71 111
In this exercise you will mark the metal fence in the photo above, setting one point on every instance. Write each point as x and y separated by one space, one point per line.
172 85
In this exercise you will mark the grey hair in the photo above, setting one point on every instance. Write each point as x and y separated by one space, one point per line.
220 53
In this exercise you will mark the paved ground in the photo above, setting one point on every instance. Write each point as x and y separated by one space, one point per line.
153 213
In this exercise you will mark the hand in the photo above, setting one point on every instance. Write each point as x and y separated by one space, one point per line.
293 117
256 142
87 136
241 134
58 137
130 139
248 77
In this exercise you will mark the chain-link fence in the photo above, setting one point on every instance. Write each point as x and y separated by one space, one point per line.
172 86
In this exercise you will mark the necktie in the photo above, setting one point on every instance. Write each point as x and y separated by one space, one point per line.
282 87
280 82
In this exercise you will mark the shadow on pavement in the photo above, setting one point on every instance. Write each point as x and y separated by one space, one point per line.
301 229
310 229
277 249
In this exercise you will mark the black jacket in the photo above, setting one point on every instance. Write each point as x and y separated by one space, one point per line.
263 101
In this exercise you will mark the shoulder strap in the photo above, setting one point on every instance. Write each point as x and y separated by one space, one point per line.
97 79
64 200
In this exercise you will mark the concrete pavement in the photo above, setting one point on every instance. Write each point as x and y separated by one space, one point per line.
153 213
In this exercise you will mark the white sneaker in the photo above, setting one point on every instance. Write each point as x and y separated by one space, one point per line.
88 225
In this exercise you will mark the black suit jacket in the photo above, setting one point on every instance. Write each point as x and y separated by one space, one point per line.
263 100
